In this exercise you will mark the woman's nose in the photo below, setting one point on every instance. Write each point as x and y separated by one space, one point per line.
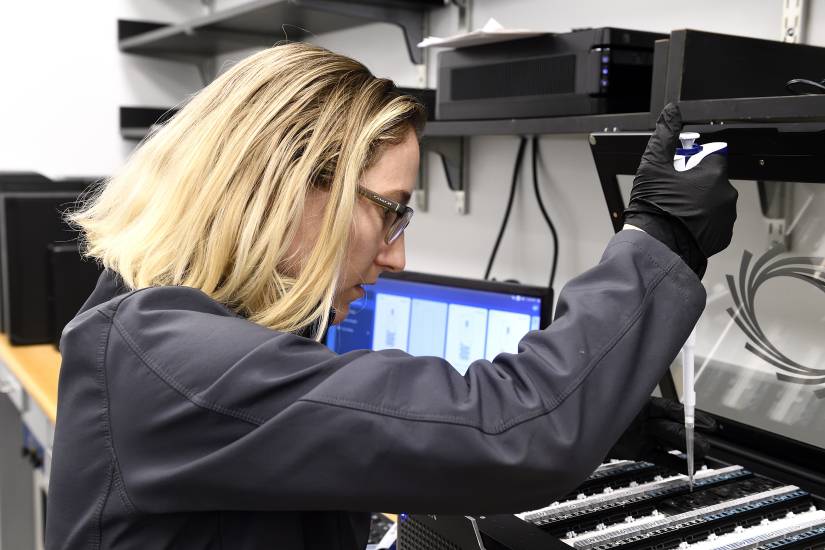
392 257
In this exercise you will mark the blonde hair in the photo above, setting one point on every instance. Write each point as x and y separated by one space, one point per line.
213 199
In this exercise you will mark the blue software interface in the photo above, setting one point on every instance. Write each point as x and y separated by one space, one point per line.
458 324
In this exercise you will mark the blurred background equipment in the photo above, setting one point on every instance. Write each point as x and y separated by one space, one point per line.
71 280
31 220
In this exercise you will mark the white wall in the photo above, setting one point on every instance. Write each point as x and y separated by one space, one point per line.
65 79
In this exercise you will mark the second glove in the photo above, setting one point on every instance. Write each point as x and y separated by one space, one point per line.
658 428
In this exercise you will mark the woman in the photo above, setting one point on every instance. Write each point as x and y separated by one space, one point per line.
197 408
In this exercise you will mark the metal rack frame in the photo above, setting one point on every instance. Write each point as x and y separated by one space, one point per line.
262 22
793 152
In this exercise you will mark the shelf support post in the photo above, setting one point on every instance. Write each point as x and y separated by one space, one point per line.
465 14
453 152
794 21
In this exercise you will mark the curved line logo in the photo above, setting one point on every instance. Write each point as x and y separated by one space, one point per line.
752 275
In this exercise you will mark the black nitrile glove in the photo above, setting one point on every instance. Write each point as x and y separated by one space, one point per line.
692 212
658 428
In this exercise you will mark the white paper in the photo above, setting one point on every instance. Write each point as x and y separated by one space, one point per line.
492 31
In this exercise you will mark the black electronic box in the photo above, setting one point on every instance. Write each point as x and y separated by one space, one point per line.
31 219
583 72
71 281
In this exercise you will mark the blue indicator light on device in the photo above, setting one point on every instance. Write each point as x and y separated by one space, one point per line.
604 70
605 59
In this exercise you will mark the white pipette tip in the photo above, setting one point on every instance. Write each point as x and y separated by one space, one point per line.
689 448
689 401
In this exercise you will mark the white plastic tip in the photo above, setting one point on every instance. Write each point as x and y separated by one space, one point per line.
687 139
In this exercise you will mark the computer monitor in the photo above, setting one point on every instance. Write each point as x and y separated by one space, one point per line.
460 320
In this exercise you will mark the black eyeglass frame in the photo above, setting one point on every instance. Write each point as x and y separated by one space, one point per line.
403 213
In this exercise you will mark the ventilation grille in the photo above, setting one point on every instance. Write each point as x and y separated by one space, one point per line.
413 535
543 75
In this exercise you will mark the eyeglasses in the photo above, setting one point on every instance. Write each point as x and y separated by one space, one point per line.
402 213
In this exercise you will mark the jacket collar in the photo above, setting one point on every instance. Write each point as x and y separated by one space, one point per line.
109 285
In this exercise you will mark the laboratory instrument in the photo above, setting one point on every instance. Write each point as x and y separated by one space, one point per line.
589 71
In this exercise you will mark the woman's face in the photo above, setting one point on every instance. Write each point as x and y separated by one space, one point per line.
393 176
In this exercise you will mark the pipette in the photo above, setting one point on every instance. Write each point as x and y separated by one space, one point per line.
689 400
687 157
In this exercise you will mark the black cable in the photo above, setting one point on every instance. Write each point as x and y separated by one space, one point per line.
803 86
544 212
516 170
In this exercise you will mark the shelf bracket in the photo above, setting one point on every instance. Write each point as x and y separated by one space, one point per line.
207 69
421 193
775 200
453 152
794 21
411 21
465 14
209 5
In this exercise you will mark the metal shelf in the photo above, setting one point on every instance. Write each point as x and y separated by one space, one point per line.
261 23
584 124
137 122
760 112
764 151
764 110
796 108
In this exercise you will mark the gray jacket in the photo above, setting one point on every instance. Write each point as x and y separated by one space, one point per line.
182 425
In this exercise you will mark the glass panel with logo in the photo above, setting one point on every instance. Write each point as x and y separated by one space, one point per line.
760 349
760 344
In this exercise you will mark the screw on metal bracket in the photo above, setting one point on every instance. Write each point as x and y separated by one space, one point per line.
794 20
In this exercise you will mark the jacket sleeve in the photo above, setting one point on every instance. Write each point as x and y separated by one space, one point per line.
209 411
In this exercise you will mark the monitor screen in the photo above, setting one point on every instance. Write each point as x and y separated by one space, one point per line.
460 320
